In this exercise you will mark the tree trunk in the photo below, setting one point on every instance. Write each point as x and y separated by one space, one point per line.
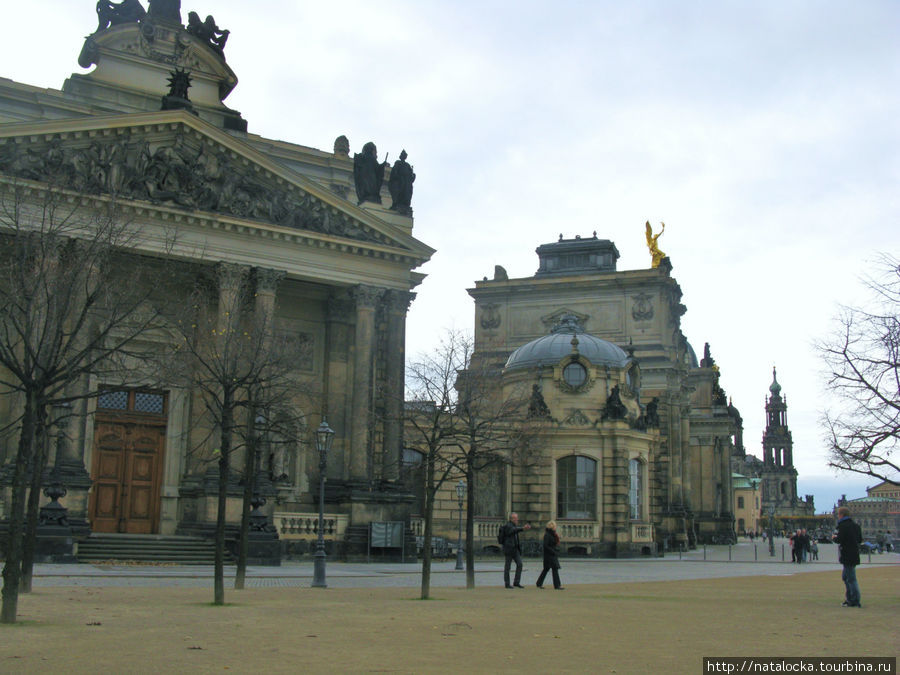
429 518
470 526
249 485
12 569
224 467
41 447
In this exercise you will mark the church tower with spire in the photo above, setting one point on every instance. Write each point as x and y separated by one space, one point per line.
779 477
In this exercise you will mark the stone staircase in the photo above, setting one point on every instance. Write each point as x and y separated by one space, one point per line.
148 548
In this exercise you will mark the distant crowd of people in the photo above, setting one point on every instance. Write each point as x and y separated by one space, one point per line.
803 546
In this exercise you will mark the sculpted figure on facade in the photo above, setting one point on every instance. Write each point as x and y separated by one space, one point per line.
368 174
165 10
537 407
207 31
400 185
614 408
174 172
113 14
179 83
653 412
656 255
342 146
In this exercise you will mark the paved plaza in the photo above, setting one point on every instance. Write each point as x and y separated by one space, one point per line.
743 559
137 619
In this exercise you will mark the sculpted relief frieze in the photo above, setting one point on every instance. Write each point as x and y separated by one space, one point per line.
192 176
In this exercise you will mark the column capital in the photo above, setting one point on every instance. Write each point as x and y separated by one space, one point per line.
366 296
267 279
231 275
398 301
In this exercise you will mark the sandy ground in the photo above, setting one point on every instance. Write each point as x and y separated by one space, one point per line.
655 627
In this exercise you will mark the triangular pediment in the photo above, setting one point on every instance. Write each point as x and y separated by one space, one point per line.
175 161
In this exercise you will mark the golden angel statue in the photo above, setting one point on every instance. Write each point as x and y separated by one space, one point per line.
655 253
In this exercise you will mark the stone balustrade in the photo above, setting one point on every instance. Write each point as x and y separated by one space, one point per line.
485 528
641 532
578 531
306 525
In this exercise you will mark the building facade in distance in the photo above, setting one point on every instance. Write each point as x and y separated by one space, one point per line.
636 436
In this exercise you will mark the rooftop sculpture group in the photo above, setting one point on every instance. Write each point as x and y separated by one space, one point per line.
368 177
131 11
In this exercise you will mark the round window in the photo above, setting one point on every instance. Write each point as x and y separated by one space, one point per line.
575 375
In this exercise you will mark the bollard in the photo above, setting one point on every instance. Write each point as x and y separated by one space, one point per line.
755 557
729 552
679 552
782 553
704 551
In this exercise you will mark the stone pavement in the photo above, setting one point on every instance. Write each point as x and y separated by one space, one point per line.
713 561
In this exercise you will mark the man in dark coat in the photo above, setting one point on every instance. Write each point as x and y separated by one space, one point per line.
848 539
512 549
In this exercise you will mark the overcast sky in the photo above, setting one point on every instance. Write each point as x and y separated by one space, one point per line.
764 134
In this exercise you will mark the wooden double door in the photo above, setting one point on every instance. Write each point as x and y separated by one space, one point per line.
127 475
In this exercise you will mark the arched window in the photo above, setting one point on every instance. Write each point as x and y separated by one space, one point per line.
576 488
635 488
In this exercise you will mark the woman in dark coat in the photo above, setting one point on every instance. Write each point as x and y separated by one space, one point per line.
551 556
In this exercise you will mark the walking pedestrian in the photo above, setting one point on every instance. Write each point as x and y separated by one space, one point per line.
512 549
551 557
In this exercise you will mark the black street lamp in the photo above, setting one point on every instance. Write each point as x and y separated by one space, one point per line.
772 531
460 495
324 437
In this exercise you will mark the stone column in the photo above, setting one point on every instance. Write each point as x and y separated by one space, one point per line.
264 315
361 459
231 280
397 306
266 284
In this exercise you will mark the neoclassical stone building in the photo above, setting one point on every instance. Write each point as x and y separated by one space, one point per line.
148 127
637 435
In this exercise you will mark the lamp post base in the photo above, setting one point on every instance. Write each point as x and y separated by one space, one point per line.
319 569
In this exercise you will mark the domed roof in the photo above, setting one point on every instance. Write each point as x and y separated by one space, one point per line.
552 348
774 388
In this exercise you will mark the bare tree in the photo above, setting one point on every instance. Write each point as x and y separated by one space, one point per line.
70 306
273 422
231 357
862 359
464 423
430 427
491 429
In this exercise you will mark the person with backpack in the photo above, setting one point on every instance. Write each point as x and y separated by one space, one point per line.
848 539
508 538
